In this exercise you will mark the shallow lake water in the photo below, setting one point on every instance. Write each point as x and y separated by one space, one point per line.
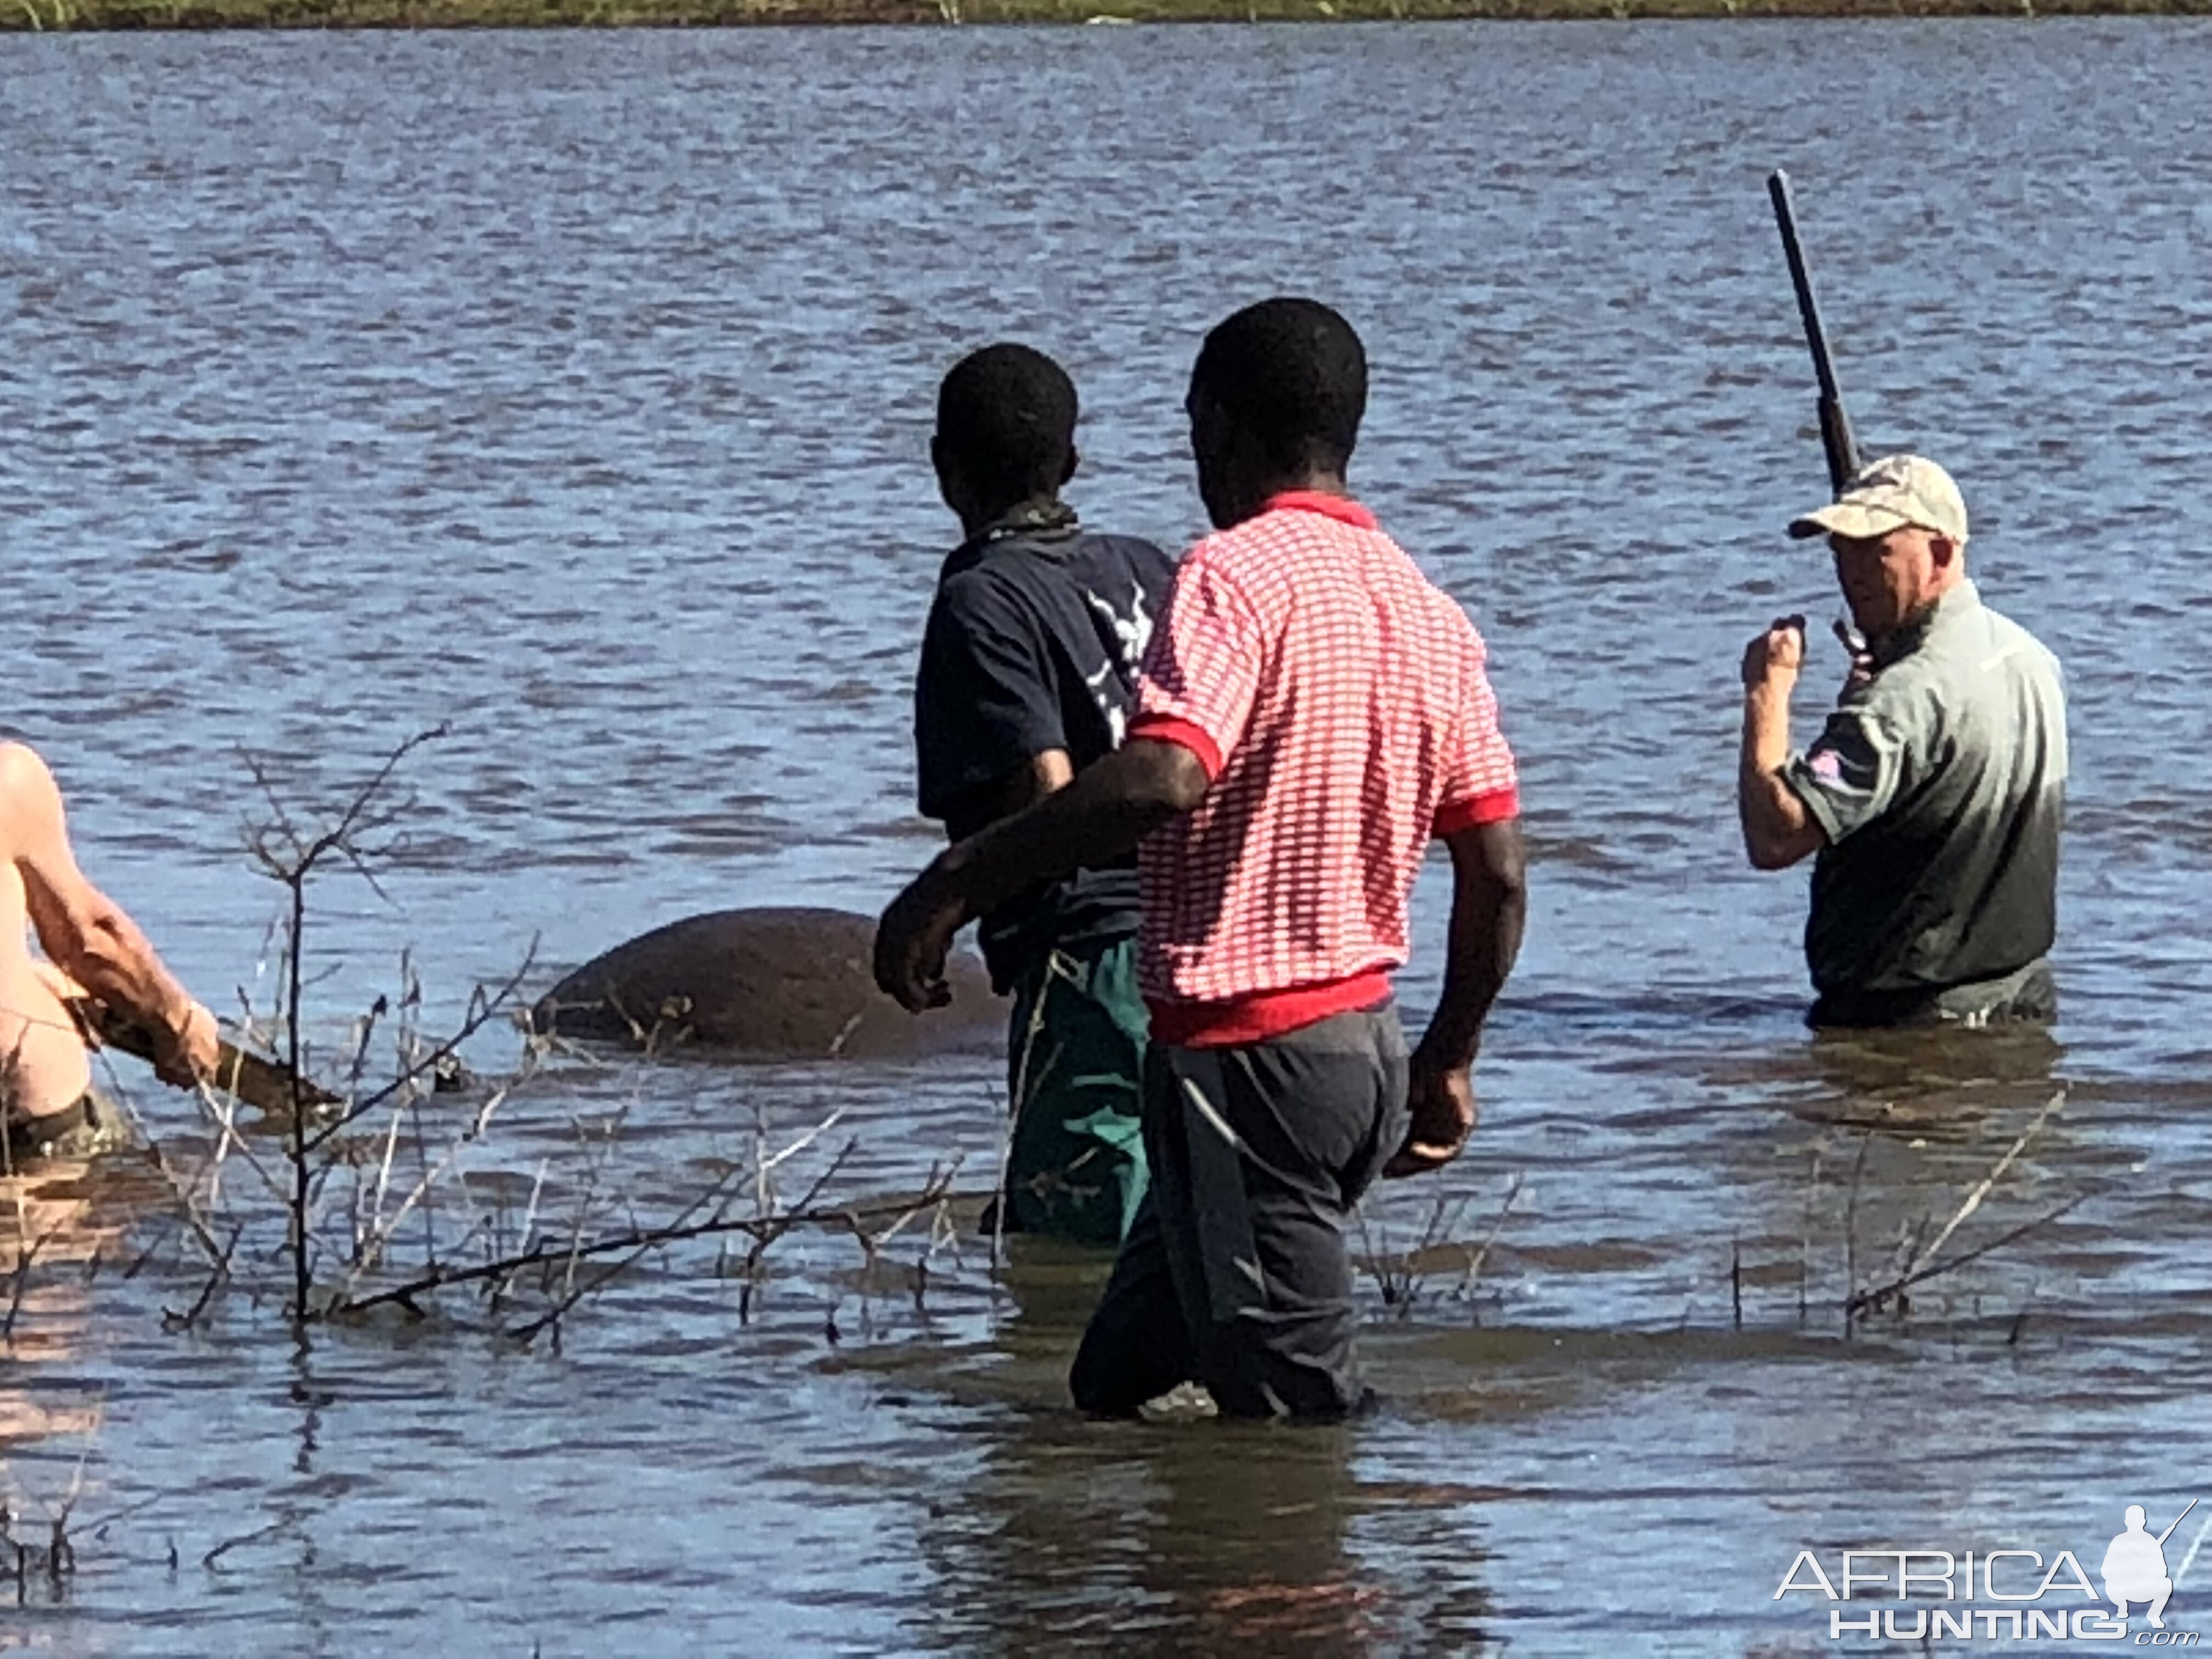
572 392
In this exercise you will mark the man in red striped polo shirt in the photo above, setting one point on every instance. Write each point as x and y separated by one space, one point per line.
1310 712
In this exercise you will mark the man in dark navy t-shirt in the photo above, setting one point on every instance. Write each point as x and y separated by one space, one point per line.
1027 670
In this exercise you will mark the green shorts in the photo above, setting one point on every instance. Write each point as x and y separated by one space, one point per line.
91 1126
1075 1067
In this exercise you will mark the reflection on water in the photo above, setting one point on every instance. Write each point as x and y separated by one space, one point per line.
1164 1543
573 390
1184 1536
54 1239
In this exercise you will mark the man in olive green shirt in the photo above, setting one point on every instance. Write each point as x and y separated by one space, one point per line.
1933 796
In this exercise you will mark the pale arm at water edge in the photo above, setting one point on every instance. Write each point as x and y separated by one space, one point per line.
85 933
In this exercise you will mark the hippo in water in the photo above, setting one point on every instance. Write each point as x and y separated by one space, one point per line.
769 984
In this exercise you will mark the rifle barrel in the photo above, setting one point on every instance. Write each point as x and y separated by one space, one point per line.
2177 1520
1836 442
1801 278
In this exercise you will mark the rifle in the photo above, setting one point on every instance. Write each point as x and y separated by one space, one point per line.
1836 439
2177 1520
266 1084
1836 442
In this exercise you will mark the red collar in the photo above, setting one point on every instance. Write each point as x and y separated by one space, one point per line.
1342 509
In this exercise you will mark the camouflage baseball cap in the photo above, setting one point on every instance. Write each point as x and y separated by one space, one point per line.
1888 494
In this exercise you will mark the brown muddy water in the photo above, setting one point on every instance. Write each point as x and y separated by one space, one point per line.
573 391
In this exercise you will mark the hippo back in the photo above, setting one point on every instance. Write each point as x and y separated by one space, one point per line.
768 984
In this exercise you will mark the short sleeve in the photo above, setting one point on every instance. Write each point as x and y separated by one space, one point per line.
1481 785
985 702
1851 774
1200 670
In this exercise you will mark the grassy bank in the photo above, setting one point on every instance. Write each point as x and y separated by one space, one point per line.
28 15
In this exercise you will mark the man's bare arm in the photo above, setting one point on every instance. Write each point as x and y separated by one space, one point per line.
1026 786
85 932
1098 817
1490 908
1490 905
1777 831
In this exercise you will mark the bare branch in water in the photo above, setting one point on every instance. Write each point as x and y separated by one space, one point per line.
215 1555
291 861
1851 1224
1400 1275
409 1295
215 1279
1973 1200
1481 1255
343 1243
647 1239
484 1008
1923 1265
372 1252
1871 1301
25 1257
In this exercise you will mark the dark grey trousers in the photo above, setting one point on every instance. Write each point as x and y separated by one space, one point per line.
1235 1273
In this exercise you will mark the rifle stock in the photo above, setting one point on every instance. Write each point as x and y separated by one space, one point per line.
1837 441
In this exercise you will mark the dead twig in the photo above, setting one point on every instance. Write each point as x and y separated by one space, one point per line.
380 1240
1805 1239
215 1279
409 1295
292 859
1851 1225
484 1006
1973 1199
1872 1300
769 1229
25 1257
1918 1268
1474 1264
647 1239
228 1545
